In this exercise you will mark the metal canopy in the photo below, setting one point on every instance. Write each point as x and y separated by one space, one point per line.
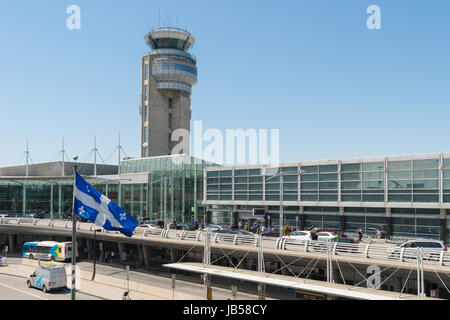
47 181
337 289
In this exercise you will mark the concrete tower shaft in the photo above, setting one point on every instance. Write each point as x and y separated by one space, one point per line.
168 74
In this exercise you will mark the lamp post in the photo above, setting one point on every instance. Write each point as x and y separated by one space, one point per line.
95 253
281 174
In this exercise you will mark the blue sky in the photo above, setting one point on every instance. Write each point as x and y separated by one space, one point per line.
312 69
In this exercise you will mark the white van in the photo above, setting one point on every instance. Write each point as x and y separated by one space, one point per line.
48 277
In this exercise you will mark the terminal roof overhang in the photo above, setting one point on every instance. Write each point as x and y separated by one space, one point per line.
36 181
337 289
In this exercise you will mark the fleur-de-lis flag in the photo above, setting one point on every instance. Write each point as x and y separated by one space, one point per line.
90 204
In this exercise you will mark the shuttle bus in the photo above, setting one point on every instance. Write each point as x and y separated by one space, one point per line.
48 250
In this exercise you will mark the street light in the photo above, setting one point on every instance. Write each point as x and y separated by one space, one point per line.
281 174
95 253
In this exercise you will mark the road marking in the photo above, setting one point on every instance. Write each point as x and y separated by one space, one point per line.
4 285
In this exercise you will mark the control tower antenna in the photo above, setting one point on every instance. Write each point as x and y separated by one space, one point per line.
95 155
119 148
63 153
27 155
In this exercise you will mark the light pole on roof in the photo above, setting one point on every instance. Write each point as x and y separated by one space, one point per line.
281 174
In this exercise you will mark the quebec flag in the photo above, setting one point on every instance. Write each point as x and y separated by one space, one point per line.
95 207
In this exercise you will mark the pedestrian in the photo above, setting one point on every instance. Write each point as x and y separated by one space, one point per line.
112 256
378 235
360 234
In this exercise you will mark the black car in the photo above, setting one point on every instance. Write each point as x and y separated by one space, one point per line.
34 215
273 234
348 245
343 239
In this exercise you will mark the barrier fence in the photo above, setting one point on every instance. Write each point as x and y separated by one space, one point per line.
370 250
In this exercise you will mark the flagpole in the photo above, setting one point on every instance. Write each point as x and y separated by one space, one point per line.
74 235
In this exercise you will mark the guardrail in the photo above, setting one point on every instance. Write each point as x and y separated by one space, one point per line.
365 250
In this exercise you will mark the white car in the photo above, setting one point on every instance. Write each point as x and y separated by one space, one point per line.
150 226
325 235
299 235
431 249
213 228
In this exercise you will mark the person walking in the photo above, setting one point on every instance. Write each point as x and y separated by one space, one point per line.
360 234
378 235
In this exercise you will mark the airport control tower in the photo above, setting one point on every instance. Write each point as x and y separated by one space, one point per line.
168 73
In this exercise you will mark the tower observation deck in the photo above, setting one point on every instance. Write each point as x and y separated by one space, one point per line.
168 73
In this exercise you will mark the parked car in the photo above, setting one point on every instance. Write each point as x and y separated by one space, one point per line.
243 233
34 215
299 235
225 230
431 249
159 223
345 245
150 226
343 240
184 226
324 235
212 228
273 234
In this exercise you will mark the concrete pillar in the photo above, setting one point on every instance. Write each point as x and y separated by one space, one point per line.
397 284
235 221
90 249
121 250
20 240
388 223
342 219
443 226
208 217
302 218
173 255
11 242
146 254
141 254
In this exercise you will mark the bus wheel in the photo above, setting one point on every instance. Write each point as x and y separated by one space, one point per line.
31 256
28 284
44 289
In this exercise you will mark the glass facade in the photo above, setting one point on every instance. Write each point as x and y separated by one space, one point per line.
139 190
417 181
184 180
362 193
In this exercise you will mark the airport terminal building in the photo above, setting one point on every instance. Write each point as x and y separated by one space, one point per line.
139 188
406 195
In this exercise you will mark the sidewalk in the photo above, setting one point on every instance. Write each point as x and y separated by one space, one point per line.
106 287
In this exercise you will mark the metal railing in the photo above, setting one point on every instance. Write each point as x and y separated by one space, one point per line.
358 250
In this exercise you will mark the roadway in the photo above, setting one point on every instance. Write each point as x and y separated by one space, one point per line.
109 284
14 287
